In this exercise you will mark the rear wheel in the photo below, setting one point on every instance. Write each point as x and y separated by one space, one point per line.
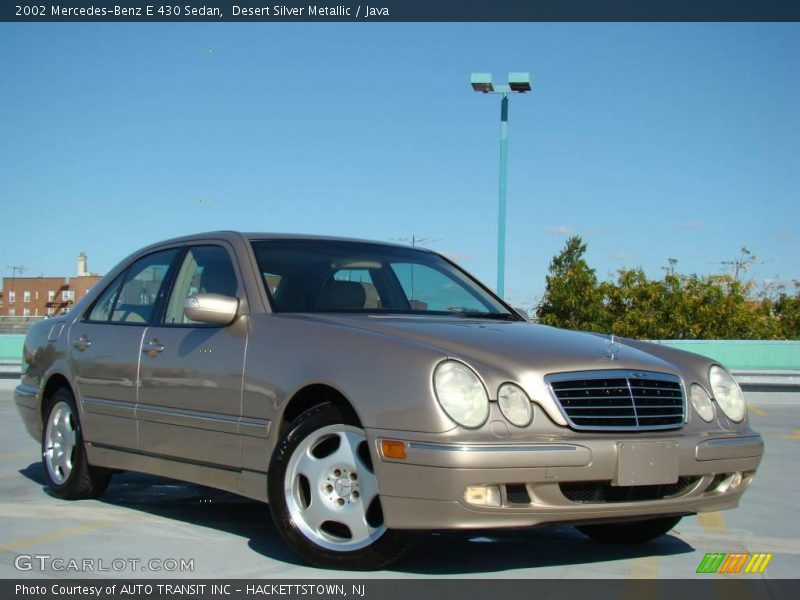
630 532
67 472
323 494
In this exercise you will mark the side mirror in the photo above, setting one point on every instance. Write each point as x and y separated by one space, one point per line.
213 309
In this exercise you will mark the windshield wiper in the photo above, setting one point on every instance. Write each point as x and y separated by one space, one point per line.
491 315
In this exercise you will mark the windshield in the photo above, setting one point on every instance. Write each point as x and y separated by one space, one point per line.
357 277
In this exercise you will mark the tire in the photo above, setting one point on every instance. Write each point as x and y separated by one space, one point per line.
67 471
630 532
323 494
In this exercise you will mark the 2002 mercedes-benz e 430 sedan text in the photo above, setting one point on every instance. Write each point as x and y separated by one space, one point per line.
369 392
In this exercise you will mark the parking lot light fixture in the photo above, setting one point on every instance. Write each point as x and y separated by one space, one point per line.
482 82
519 83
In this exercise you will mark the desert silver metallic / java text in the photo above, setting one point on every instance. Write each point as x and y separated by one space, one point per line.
329 491
60 442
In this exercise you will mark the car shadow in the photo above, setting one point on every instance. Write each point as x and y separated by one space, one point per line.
453 553
444 553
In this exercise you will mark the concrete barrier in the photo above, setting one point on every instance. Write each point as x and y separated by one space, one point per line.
11 353
745 355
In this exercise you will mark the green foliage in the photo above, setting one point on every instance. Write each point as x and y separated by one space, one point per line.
786 310
676 306
573 298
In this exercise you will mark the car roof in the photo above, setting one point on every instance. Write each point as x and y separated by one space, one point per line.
248 236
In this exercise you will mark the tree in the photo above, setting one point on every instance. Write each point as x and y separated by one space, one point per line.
572 297
644 308
787 312
676 306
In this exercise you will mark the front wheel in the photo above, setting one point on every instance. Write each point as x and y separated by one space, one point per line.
629 532
323 494
67 471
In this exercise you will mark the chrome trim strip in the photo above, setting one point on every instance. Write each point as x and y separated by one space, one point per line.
255 427
233 424
192 414
493 448
27 390
109 408
250 426
633 401
611 374
747 447
105 402
738 441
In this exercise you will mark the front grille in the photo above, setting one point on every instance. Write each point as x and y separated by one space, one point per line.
619 400
588 492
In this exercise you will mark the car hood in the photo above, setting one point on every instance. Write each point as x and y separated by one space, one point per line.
509 346
511 351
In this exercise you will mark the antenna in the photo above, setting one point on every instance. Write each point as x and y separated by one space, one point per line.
742 264
16 269
416 241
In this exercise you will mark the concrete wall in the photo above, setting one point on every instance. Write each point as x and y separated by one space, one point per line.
11 347
747 355
11 353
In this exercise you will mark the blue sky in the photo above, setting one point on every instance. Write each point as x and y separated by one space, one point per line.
650 140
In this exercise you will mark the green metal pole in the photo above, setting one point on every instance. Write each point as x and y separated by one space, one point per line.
501 216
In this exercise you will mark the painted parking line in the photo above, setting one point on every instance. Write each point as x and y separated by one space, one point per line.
756 411
645 567
28 453
794 436
15 545
712 522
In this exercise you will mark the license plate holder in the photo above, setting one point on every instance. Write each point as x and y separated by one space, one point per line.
646 463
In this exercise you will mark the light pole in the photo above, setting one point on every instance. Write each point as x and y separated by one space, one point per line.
517 83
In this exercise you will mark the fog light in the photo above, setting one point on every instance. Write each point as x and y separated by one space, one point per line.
730 483
482 495
393 449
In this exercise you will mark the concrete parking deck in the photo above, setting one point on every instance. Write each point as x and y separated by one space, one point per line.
142 518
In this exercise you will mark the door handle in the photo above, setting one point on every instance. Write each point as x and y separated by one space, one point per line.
153 348
82 343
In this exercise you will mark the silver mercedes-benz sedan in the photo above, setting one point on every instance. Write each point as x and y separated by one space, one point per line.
369 392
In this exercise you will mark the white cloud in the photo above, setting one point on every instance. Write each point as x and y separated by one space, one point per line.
691 224
561 230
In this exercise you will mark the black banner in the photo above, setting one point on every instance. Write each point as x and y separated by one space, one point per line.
400 10
701 588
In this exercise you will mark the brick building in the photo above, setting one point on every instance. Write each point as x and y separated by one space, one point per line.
45 296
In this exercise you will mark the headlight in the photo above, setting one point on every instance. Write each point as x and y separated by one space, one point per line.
727 393
701 402
515 404
461 393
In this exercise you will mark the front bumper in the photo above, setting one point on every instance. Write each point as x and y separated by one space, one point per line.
28 403
571 480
